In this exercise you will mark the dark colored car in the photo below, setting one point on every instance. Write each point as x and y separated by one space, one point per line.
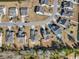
9 35
32 34
20 33
63 21
55 29
43 1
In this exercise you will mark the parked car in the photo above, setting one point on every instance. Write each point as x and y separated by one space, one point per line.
39 10
9 36
66 12
1 39
21 35
43 1
66 4
32 34
23 11
63 21
2 11
55 29
12 12
44 32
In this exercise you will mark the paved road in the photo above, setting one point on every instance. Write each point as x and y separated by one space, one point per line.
51 18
